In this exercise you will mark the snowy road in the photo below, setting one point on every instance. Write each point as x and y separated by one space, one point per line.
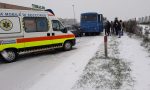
83 68
30 71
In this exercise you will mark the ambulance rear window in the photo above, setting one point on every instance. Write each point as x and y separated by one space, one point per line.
36 24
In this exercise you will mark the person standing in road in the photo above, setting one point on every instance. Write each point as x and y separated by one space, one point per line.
117 27
112 28
116 23
107 28
120 29
123 28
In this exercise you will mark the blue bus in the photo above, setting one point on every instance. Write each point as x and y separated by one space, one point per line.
91 23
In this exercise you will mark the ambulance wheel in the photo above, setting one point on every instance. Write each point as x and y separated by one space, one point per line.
9 55
67 46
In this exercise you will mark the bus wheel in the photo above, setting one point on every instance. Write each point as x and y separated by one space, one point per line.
9 55
98 33
86 34
67 46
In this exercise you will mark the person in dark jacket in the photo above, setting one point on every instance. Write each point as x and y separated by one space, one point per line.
117 26
112 27
120 28
107 28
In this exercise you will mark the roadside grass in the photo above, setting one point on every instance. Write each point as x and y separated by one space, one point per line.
112 73
146 44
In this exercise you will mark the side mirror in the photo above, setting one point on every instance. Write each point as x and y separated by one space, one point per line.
65 30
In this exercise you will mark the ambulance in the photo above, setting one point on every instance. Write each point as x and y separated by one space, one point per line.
27 31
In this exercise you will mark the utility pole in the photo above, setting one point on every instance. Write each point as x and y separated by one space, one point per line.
105 46
74 14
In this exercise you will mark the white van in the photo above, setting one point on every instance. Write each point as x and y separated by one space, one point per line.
30 31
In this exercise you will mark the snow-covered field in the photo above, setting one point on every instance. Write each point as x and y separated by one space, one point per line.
83 68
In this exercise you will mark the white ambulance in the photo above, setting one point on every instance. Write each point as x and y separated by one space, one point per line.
31 31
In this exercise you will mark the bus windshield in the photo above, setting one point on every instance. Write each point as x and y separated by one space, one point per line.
91 17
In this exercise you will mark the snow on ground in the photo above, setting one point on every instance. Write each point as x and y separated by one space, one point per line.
83 68
64 76
131 51
112 73
127 67
30 69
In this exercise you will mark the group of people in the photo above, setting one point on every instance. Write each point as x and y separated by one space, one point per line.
115 27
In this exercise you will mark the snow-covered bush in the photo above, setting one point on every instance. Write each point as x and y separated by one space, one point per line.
131 26
138 31
146 35
146 38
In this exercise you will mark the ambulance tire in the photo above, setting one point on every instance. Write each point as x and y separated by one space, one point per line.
67 46
9 55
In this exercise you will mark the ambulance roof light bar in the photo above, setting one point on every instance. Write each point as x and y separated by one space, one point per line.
51 13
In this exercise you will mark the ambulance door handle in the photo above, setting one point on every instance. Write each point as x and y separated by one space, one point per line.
48 34
53 34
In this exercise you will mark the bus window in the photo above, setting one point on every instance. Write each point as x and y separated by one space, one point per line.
100 18
92 17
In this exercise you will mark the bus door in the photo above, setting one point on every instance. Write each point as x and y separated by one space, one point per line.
100 21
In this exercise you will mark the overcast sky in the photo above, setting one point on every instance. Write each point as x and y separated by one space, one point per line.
123 9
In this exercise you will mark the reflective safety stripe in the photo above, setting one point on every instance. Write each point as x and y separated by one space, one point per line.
4 46
21 40
37 41
46 42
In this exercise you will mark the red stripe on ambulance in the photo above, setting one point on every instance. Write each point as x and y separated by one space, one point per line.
22 40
